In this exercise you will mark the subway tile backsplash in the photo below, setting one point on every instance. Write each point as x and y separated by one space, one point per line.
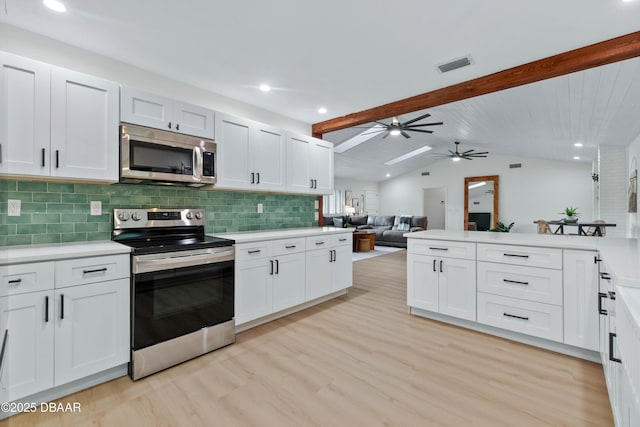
54 212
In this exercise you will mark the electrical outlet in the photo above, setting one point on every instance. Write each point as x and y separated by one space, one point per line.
96 207
13 208
316 205
260 208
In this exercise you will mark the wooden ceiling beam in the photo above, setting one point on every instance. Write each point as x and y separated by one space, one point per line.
606 52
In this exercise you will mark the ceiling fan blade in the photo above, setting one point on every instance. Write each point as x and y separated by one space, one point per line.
383 124
466 157
386 134
406 135
480 153
467 152
452 153
425 124
420 130
417 119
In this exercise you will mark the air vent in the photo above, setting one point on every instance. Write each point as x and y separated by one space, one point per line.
425 173
515 165
455 64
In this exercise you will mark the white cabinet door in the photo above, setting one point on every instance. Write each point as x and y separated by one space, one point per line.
298 173
288 281
193 120
422 282
321 165
254 290
268 158
233 138
457 288
28 361
145 109
341 268
24 116
581 324
84 126
319 275
92 329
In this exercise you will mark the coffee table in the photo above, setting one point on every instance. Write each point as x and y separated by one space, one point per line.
363 234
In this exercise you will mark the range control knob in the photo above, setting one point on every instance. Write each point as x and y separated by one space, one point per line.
123 216
198 215
189 215
136 216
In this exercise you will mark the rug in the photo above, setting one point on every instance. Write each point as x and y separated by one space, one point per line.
378 250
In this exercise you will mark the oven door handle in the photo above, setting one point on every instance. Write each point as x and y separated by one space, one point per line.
142 265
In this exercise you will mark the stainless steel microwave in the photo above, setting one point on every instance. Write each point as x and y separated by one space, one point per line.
148 155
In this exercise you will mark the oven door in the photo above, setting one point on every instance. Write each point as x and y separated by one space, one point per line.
179 299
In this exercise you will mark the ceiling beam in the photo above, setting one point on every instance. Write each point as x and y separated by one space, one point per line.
606 52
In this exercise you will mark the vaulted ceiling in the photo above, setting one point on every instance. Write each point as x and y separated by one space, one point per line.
356 55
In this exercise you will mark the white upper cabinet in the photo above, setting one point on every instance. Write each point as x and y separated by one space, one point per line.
56 122
148 109
24 116
84 126
309 165
251 155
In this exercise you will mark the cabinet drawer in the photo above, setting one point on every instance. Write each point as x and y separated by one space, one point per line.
91 270
345 239
245 251
528 283
527 317
442 248
521 255
288 246
328 240
23 278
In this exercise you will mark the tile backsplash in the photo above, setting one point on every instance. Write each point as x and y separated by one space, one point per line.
54 212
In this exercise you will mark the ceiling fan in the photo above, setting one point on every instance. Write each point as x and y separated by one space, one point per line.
467 155
396 128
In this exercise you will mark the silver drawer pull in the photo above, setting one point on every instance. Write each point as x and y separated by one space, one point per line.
98 270
514 316
438 249
515 281
290 246
255 251
517 256
15 281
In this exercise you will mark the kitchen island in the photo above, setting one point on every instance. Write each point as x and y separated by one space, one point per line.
570 294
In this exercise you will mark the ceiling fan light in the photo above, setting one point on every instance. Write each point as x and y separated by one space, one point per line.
456 159
394 132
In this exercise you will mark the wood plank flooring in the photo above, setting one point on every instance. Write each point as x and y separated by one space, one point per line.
358 360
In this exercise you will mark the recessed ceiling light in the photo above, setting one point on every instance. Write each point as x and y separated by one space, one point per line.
408 155
265 88
578 144
55 5
322 110
388 175
576 158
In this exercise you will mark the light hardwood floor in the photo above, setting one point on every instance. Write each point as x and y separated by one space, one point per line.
358 360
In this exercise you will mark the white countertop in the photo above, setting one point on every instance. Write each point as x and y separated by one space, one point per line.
284 233
622 255
52 252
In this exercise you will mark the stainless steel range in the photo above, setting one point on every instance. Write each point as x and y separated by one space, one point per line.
182 287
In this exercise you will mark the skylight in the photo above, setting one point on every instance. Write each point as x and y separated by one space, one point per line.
408 155
363 136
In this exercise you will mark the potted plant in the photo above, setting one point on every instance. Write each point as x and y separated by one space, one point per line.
502 228
571 214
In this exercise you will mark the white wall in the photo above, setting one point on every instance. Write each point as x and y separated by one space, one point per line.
613 185
633 220
34 46
357 188
541 189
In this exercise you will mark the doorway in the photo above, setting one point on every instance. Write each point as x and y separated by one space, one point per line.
434 205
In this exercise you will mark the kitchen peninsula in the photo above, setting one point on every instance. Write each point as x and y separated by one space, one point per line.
551 291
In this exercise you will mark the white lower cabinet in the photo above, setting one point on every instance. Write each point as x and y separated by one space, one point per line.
57 334
288 280
442 284
328 264
581 325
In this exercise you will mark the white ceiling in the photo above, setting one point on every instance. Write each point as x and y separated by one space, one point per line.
352 55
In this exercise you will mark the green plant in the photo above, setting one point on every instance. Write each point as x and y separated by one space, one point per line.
502 228
570 211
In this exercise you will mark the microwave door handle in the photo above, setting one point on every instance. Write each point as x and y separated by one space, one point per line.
197 163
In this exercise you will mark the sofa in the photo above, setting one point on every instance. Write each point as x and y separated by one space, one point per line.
389 229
